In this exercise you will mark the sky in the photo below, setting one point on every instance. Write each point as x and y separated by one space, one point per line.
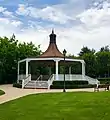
76 23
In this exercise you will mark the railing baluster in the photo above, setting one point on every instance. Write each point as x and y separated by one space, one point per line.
26 80
50 80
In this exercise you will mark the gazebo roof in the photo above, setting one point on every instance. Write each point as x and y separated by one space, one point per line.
52 50
51 54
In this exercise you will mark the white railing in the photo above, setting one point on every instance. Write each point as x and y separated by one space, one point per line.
21 77
26 80
50 81
71 77
38 79
92 80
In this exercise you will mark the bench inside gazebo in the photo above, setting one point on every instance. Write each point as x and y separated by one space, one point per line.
53 59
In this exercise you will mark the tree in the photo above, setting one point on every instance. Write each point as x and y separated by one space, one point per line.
28 50
103 60
86 50
10 52
105 49
91 64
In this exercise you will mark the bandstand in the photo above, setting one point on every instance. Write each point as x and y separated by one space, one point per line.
52 57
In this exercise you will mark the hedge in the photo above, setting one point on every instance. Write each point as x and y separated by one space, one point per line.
70 84
104 80
72 87
17 85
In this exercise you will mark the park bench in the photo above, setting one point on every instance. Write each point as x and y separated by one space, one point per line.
105 86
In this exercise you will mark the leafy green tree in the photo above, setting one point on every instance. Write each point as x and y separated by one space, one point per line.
86 50
28 50
91 64
105 49
10 53
103 60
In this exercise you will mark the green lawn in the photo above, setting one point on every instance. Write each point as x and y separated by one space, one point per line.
58 106
2 92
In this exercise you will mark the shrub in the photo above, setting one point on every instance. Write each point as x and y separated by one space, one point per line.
70 84
17 85
104 80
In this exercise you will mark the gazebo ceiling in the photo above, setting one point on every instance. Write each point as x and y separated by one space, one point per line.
51 63
52 50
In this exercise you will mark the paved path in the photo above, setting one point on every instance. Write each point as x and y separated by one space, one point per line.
12 93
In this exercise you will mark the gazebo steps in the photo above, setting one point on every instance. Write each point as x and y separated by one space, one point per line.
37 84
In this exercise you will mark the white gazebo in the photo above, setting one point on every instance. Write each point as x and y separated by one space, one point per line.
55 56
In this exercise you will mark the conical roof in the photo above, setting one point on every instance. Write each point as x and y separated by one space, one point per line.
52 50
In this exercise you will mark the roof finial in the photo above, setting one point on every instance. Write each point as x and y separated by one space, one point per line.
52 31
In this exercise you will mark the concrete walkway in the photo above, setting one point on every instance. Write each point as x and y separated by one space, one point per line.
12 93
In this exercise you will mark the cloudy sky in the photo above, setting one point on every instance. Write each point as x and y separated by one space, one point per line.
77 23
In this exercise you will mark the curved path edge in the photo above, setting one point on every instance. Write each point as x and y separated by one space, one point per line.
12 93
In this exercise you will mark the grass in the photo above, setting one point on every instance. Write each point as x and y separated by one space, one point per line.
58 106
1 92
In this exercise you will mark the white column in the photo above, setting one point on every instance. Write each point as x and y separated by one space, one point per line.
29 69
83 68
26 68
57 69
70 70
70 73
18 72
50 72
